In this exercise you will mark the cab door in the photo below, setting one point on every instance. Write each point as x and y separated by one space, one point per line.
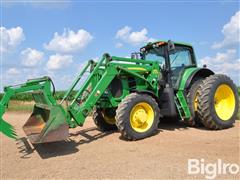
180 58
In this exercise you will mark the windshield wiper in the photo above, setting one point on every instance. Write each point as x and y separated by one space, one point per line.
175 58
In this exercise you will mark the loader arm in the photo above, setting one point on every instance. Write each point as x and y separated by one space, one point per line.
96 84
43 84
50 121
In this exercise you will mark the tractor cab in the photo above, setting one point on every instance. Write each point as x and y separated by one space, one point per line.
173 59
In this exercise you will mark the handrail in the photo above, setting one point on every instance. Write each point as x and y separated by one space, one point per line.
132 60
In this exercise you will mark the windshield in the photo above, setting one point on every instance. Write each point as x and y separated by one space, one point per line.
156 54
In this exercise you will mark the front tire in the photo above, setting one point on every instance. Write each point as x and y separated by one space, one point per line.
137 116
218 102
104 119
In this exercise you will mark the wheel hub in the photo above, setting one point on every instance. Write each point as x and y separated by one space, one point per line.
141 117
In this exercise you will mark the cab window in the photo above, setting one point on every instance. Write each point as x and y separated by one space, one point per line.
179 58
156 54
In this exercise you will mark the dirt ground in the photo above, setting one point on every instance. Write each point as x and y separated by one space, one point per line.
91 154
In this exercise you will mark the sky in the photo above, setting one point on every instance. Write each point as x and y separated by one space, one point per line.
56 38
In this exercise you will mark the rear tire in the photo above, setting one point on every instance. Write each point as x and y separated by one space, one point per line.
218 102
192 96
103 120
137 116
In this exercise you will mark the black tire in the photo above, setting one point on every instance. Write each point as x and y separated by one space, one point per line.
194 121
206 102
123 116
100 121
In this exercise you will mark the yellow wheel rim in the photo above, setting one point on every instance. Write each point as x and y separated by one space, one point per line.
195 104
108 119
224 102
141 117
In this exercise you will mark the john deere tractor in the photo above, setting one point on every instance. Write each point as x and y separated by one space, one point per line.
162 81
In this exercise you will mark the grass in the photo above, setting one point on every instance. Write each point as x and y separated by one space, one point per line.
28 96
22 106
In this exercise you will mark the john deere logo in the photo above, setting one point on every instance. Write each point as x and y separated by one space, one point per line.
155 71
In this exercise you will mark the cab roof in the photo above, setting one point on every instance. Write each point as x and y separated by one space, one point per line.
175 42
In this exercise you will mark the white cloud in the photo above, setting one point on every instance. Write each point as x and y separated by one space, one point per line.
13 72
123 33
220 57
231 32
31 73
133 37
13 76
138 37
229 67
31 57
10 38
224 63
18 75
69 41
58 61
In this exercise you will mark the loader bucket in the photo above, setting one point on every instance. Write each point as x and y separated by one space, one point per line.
46 124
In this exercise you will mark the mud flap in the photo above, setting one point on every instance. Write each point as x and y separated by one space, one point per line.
46 124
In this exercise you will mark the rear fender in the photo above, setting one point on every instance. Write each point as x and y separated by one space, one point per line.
200 73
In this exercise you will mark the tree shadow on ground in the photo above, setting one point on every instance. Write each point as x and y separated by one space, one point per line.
61 148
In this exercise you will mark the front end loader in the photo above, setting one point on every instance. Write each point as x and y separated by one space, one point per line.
132 95
48 121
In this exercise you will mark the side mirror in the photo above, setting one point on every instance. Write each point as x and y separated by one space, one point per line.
135 55
171 46
163 67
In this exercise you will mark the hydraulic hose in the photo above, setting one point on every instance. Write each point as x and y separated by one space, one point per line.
54 89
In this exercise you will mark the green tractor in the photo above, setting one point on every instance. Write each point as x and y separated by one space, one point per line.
162 81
